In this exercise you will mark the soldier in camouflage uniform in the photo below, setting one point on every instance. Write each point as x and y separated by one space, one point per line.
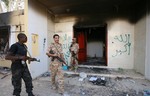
18 55
74 49
56 65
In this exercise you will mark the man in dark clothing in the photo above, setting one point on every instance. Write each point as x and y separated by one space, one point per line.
18 55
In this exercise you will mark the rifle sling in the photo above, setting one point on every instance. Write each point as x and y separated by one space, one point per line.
60 59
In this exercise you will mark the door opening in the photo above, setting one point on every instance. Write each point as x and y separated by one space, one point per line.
4 39
93 45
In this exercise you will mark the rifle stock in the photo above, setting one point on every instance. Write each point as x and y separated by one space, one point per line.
58 58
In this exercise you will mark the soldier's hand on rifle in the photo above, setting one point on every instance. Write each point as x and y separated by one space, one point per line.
56 55
32 59
23 58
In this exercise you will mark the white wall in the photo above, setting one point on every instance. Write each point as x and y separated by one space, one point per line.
50 32
147 64
95 49
37 24
64 27
120 44
140 43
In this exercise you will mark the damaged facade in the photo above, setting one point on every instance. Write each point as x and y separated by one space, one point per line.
120 43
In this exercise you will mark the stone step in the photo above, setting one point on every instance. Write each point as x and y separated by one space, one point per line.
106 72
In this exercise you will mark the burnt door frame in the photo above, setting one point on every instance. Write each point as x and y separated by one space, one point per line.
5 36
77 32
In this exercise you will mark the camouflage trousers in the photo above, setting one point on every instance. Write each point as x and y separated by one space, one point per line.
57 76
17 75
74 63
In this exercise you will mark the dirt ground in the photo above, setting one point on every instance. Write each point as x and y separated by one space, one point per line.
117 83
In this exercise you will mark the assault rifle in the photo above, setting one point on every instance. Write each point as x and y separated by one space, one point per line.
56 57
30 59
33 59
74 55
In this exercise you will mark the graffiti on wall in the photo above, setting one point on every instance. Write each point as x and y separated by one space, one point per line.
66 39
126 47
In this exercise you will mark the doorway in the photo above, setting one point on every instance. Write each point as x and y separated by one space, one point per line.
4 39
92 44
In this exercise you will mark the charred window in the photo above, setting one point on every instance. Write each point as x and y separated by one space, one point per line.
4 39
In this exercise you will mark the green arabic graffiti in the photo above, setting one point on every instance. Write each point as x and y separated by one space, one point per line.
127 45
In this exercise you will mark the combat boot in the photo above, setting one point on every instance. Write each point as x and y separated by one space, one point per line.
61 92
54 87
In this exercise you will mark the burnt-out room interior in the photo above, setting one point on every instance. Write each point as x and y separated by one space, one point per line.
92 45
4 39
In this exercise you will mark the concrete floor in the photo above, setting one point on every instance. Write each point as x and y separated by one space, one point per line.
119 83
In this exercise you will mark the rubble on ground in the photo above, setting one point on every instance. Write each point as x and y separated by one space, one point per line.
89 85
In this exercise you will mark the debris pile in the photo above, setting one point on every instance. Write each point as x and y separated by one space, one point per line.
98 81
